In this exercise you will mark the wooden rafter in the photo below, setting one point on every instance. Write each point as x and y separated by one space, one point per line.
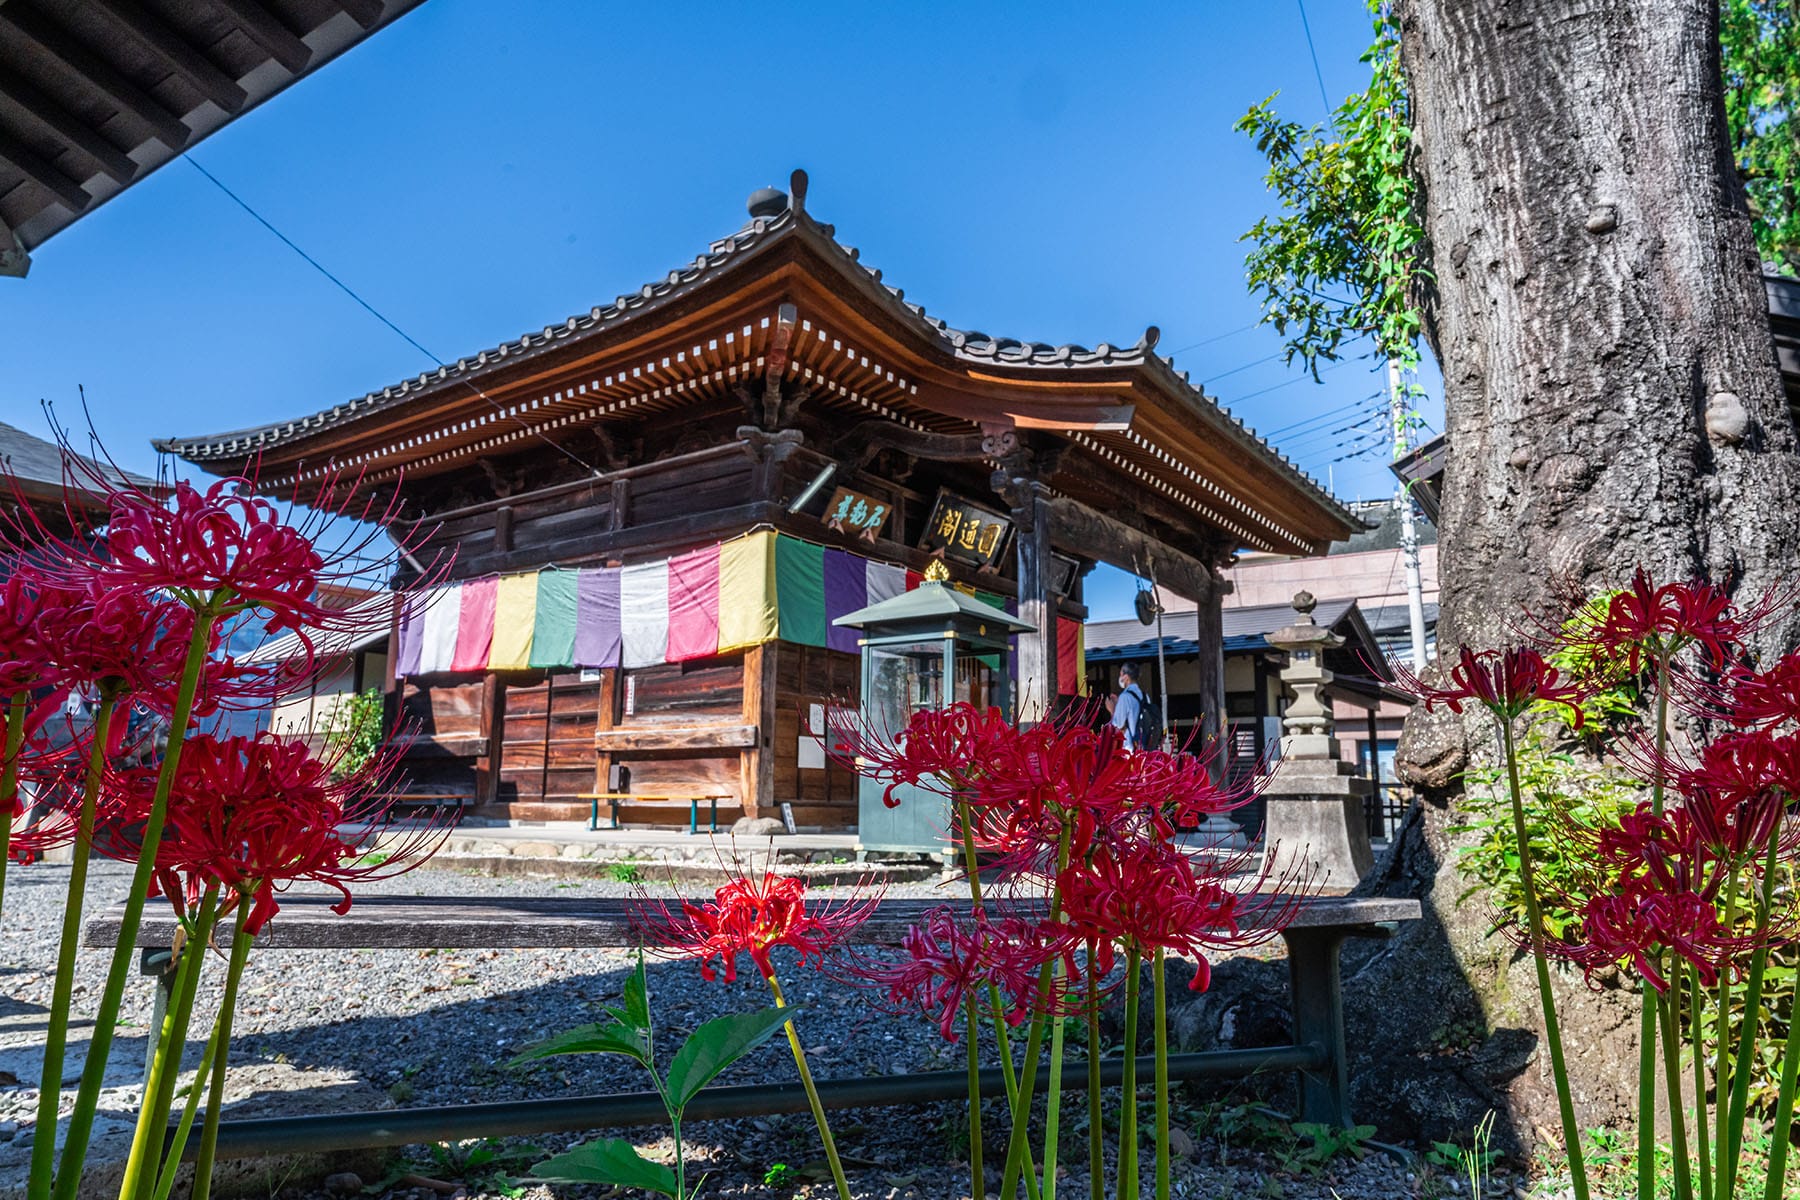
96 72
186 61
64 124
366 13
43 173
262 27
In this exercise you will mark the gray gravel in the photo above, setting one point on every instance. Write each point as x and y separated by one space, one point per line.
321 1031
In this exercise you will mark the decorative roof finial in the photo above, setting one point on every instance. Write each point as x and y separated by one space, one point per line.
937 572
797 189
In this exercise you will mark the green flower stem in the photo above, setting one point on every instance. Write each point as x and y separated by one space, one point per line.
1646 1098
1671 1056
1552 1027
1646 1130
1159 993
159 1088
1128 1114
971 1030
812 1094
9 782
221 1049
165 1180
1002 1030
1096 1126
1722 1080
1018 1152
93 1071
1697 1045
1053 1100
1784 1113
56 1038
972 873
1732 1151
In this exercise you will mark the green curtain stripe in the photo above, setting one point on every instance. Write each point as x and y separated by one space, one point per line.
800 591
553 635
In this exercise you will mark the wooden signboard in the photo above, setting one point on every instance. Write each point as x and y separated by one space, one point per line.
854 512
966 532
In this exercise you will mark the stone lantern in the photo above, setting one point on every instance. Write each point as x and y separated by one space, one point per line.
1315 799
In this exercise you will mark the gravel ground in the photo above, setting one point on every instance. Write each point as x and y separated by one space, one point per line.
322 1031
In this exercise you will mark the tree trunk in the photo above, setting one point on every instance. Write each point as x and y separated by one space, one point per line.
1611 399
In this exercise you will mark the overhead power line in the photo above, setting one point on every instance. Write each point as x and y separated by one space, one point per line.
379 315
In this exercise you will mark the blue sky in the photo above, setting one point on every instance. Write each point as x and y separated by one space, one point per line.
1051 172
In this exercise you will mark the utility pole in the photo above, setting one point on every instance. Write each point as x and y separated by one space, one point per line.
1409 533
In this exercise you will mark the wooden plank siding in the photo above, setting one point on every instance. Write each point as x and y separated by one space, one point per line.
805 676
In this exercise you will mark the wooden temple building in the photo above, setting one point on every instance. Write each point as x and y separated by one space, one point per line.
658 508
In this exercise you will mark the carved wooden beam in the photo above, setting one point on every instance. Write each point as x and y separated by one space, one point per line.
1112 541
67 126
866 439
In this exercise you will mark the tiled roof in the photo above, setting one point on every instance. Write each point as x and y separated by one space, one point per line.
33 460
755 238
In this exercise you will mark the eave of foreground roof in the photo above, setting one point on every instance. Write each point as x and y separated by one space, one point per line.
1021 362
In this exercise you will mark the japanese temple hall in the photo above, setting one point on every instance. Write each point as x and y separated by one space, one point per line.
658 508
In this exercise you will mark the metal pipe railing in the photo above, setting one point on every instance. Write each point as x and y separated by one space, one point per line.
575 1114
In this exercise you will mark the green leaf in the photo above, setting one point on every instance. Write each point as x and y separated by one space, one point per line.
610 1038
637 998
612 1161
715 1046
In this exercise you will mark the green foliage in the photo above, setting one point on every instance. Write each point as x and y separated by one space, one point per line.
1612 1165
628 1031
356 731
1559 786
782 1176
625 872
1328 1142
1345 258
1760 40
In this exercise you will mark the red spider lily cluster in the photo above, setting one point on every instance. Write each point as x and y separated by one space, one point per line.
1684 890
126 615
1078 839
751 916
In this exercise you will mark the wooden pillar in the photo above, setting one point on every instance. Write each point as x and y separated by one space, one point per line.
606 717
493 731
1037 603
1210 635
757 764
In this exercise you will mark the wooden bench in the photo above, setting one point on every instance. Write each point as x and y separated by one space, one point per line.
1314 939
435 799
693 802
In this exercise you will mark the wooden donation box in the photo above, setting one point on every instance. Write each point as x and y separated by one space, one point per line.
924 649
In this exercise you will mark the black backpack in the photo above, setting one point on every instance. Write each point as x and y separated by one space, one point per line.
1149 733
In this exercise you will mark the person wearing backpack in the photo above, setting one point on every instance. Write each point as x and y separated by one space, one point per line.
1132 714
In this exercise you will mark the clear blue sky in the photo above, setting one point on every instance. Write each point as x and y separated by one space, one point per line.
1050 172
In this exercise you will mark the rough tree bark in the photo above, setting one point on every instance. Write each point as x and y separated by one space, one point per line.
1611 391
1612 399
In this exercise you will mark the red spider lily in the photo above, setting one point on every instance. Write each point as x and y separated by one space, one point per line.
25 664
1770 697
105 635
1647 619
1505 682
948 959
1633 926
256 815
751 916
44 811
939 749
1152 896
1738 791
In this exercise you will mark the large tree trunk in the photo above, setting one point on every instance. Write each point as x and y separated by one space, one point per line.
1611 398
